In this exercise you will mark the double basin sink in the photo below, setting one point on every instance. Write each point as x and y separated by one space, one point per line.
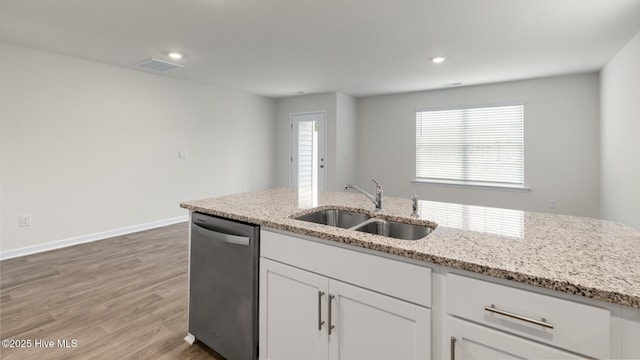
365 223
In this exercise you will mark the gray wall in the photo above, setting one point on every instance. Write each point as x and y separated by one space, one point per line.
347 141
561 143
87 148
620 136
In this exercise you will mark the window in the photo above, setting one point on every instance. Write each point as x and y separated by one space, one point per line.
471 145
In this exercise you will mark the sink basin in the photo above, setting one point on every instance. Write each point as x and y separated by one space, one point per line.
353 220
394 229
334 217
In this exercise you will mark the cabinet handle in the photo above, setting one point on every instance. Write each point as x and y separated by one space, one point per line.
542 322
320 322
453 348
331 326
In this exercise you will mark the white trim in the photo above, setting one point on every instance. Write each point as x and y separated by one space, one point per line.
53 245
463 107
189 338
472 185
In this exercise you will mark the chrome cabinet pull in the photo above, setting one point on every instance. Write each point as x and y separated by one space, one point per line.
320 322
453 348
331 326
543 322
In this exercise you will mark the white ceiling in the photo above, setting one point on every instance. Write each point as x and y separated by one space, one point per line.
278 48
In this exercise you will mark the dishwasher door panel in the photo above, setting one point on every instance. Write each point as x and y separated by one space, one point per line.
223 289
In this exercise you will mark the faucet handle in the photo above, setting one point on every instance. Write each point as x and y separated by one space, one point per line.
379 195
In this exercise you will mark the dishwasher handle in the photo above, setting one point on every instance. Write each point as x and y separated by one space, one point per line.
218 236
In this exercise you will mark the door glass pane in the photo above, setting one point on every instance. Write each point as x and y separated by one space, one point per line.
307 163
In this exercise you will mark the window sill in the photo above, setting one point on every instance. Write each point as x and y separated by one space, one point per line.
472 185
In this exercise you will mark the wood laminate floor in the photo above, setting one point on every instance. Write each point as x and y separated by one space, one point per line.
118 298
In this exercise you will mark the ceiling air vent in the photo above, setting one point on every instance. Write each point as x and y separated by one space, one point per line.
157 65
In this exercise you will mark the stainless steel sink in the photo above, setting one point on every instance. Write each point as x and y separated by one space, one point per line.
334 217
353 220
394 229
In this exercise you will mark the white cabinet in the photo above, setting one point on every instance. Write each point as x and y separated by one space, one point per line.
307 316
373 326
387 276
469 341
334 308
384 308
501 311
293 310
630 333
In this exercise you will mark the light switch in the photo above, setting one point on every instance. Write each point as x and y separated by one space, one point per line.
25 220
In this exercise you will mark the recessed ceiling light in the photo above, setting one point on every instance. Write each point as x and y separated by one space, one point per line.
175 55
438 59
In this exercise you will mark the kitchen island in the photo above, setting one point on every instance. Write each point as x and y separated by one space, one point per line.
582 258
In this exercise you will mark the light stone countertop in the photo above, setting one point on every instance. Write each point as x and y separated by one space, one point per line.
584 256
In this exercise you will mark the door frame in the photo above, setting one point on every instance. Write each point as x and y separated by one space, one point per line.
322 128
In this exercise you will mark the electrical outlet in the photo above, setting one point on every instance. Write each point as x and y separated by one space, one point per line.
552 204
24 220
183 154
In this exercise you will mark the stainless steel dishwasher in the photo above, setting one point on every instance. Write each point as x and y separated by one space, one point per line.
223 286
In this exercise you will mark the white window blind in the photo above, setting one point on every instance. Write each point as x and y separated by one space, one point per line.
476 145
305 154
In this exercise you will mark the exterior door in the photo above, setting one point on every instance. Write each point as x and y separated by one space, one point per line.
308 155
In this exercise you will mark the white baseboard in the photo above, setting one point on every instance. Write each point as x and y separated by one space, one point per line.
8 254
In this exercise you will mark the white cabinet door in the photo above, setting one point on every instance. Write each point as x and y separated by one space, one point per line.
630 333
296 311
581 328
469 341
372 326
292 307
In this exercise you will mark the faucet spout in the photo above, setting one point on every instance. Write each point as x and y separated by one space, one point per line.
376 199
414 199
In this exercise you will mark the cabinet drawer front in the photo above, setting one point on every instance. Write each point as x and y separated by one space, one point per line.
577 327
395 278
479 342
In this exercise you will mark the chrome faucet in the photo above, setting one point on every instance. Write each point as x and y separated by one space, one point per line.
377 199
414 200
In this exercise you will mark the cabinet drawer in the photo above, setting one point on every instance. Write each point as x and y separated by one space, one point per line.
472 341
576 327
391 277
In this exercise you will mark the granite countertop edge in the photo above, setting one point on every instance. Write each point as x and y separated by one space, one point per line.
484 268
